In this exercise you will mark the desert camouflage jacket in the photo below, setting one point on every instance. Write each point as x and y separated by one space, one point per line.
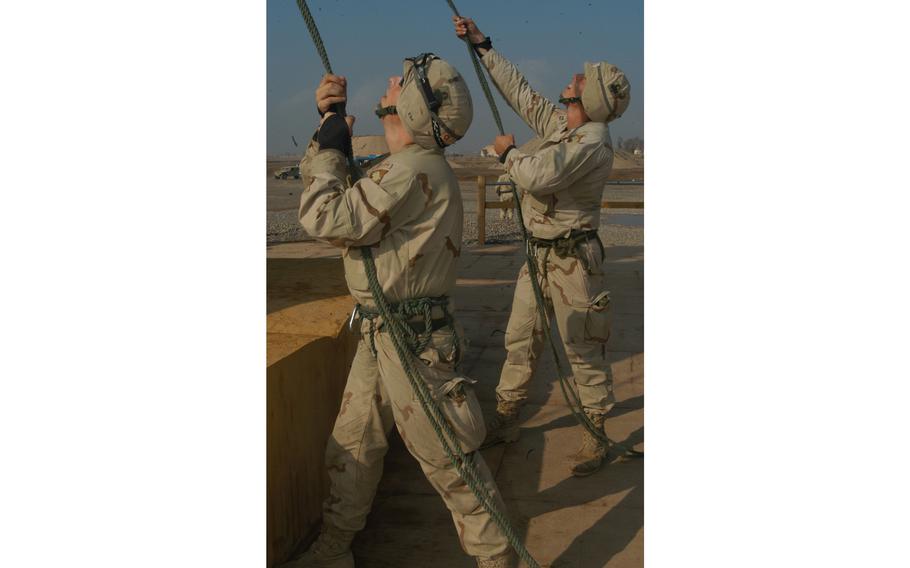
408 208
563 180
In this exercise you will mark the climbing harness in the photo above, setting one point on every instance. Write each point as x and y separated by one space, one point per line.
401 335
569 246
568 390
417 313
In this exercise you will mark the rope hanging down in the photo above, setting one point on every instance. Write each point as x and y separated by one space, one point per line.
568 390
463 463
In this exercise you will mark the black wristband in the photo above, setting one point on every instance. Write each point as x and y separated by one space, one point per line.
502 158
334 134
487 43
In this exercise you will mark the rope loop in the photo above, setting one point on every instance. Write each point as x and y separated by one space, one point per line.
406 311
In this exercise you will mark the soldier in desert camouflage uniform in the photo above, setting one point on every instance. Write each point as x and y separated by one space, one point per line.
408 210
561 182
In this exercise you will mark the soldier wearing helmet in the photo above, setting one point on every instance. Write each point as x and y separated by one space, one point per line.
408 211
561 184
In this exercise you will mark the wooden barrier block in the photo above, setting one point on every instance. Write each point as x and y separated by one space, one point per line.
309 352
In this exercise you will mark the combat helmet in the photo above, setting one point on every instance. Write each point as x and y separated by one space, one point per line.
435 104
606 93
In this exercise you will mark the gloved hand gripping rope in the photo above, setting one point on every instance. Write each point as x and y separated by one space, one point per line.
462 462
568 391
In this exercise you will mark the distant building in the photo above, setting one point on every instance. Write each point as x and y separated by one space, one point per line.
369 145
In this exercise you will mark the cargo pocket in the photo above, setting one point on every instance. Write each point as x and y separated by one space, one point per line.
456 399
443 353
599 318
460 405
452 391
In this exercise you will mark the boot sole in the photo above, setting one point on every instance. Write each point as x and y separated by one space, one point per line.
586 473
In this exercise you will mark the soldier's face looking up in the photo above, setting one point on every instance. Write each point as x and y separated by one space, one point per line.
575 86
393 90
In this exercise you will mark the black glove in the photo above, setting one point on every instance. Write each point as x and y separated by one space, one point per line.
487 43
334 134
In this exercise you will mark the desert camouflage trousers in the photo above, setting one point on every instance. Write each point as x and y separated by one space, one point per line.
376 397
579 303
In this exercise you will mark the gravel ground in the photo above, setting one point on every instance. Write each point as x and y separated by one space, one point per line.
283 227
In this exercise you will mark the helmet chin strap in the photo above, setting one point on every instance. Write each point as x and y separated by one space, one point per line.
382 111
569 100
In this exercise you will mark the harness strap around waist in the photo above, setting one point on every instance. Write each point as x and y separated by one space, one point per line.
568 246
417 316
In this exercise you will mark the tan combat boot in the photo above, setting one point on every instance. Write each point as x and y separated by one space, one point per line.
592 452
331 550
503 428
507 559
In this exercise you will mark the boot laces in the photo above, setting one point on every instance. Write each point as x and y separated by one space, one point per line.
589 443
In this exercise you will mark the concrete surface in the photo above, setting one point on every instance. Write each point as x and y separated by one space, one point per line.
567 522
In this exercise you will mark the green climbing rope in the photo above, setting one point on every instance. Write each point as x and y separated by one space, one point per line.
568 391
324 56
463 463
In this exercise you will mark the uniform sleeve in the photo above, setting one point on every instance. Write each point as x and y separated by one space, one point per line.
555 168
333 211
311 150
540 114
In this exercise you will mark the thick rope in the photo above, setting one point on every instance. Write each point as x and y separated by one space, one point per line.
409 310
324 56
314 33
568 391
463 463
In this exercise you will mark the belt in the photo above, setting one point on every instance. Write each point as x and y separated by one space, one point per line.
574 235
568 246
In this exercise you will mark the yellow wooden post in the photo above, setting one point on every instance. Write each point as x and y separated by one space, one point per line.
481 209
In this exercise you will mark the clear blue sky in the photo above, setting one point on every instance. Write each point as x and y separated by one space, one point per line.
367 40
